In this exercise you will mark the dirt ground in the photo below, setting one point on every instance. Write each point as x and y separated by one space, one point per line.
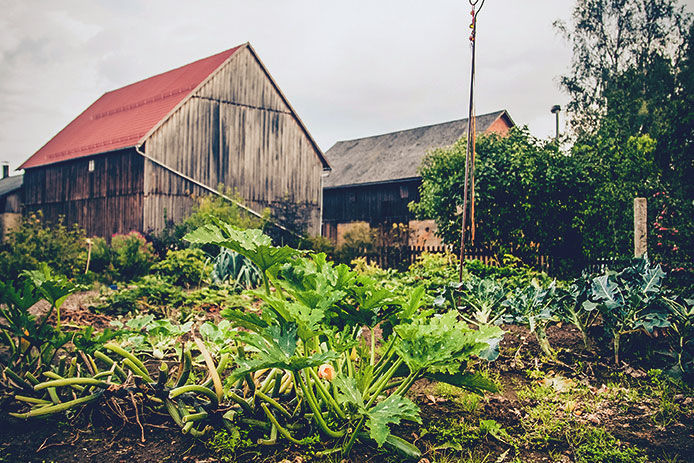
636 420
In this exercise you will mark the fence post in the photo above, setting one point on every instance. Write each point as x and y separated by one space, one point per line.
640 227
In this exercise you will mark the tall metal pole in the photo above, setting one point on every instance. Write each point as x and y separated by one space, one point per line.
555 110
469 153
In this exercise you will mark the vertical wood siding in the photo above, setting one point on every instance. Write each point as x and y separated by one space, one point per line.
105 201
375 204
237 131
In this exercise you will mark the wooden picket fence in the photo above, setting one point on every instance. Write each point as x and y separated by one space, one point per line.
401 257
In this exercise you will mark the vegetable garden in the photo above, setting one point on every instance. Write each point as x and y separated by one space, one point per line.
267 353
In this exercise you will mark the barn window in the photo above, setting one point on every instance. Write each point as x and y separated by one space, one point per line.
404 192
91 165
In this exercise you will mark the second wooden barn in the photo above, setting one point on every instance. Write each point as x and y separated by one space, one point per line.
374 178
135 158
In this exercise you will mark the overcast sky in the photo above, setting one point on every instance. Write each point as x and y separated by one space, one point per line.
350 69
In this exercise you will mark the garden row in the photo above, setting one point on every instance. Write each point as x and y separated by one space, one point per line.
299 359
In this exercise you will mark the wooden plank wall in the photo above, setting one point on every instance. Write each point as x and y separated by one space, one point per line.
242 135
103 202
376 204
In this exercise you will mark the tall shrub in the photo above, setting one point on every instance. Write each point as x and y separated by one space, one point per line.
34 241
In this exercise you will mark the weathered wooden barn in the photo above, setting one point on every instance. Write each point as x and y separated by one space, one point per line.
374 178
10 200
135 157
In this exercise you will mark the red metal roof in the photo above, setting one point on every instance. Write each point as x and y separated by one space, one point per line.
121 118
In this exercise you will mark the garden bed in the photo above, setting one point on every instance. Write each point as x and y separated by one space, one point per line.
545 412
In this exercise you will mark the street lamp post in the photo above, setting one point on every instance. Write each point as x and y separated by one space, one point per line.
555 110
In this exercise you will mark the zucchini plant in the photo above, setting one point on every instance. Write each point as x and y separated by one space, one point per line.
301 368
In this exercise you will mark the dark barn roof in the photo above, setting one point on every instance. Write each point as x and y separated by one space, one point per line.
10 184
396 155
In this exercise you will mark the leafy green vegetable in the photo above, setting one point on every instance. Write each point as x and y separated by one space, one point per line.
440 343
390 411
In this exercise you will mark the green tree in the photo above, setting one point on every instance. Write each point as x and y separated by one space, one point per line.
527 193
616 172
610 37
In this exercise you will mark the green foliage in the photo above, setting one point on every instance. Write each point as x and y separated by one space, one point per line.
186 267
626 300
34 241
158 337
390 411
440 343
131 256
211 208
231 267
618 170
533 306
631 85
681 335
319 244
600 445
358 241
577 308
227 442
206 210
512 272
521 182
611 38
149 293
31 341
433 270
481 300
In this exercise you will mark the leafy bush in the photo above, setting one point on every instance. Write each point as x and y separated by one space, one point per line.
359 241
681 335
34 241
100 260
481 300
206 210
131 256
151 293
534 307
187 267
433 270
320 244
513 272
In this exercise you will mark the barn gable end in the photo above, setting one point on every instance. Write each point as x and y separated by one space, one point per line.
245 136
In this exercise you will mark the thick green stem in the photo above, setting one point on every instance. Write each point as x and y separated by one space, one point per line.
317 414
407 383
50 409
241 401
128 356
274 403
326 395
373 346
195 389
279 427
378 386
388 354
71 381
